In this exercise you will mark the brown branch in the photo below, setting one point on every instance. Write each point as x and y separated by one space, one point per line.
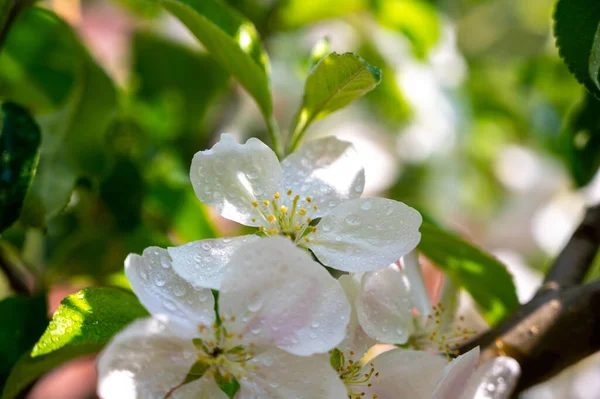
561 324
15 279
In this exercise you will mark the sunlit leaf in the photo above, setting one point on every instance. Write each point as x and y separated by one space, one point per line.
320 50
22 322
415 19
483 276
296 13
333 83
19 144
82 325
576 31
580 143
233 42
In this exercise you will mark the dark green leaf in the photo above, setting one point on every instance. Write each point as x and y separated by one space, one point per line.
228 384
233 42
576 28
19 144
482 275
82 325
580 142
46 51
333 83
22 322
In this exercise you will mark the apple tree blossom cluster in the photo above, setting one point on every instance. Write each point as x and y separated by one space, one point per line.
260 316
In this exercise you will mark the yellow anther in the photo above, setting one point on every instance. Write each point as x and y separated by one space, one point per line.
254 204
283 209
271 218
308 220
302 211
289 192
315 207
297 197
266 202
261 229
308 199
306 239
314 229
277 195
253 220
297 227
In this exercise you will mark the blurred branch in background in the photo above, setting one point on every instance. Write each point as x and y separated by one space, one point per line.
561 324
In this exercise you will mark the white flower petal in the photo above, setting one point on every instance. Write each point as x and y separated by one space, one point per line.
327 169
280 375
404 374
162 291
280 296
204 388
356 339
202 262
366 234
418 291
384 308
146 360
498 376
230 176
456 376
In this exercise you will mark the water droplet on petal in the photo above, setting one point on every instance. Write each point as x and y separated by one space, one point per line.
366 205
353 220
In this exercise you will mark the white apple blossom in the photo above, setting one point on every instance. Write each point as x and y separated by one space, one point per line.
312 197
279 312
401 373
389 308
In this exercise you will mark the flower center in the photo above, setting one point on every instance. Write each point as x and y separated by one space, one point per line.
288 215
353 374
440 334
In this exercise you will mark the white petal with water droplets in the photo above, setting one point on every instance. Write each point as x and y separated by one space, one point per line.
384 308
162 291
455 378
365 234
277 374
327 169
280 296
145 360
230 176
202 262
404 374
357 340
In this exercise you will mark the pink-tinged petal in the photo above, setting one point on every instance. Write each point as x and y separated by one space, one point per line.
357 341
277 374
277 295
456 376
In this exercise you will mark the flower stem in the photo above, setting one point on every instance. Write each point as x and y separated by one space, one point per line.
275 135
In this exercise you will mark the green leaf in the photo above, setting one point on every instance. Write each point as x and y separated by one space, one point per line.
482 275
576 31
19 144
228 384
334 82
233 42
580 140
83 324
22 322
84 100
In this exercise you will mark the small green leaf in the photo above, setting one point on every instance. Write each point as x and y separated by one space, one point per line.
580 143
576 30
334 82
196 372
293 14
482 275
83 324
233 42
22 322
228 384
335 358
19 144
